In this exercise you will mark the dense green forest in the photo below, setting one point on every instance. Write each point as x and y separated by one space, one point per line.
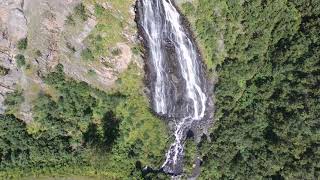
79 130
266 54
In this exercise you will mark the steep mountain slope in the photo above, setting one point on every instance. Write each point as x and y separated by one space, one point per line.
37 35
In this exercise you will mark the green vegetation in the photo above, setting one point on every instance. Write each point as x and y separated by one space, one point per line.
86 54
116 51
38 53
80 11
3 71
110 27
266 56
78 16
22 44
20 150
70 20
12 101
73 49
143 138
55 137
21 60
82 131
99 10
188 8
137 50
190 155
92 72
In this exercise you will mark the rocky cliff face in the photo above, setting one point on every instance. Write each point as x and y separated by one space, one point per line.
50 41
13 26
176 78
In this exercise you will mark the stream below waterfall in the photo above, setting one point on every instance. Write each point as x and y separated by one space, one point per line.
175 75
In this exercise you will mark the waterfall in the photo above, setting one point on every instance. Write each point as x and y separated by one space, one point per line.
176 78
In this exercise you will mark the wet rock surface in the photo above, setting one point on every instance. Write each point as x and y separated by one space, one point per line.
175 70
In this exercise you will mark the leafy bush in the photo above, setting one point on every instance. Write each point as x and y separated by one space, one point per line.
3 71
99 10
70 21
116 51
80 10
13 101
19 149
59 131
20 59
22 44
38 53
92 72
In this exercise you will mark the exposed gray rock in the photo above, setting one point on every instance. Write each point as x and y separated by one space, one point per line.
46 22
43 22
13 27
13 19
17 25
8 82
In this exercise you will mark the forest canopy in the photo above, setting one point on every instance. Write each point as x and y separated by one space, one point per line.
80 130
266 55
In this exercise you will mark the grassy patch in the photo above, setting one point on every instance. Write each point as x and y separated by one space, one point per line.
86 54
137 49
109 30
188 8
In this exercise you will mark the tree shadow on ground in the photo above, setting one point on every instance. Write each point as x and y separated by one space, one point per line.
103 139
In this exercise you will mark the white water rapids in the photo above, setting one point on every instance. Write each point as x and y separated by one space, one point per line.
178 85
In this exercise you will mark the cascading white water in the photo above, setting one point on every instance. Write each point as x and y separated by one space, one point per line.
178 85
153 31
